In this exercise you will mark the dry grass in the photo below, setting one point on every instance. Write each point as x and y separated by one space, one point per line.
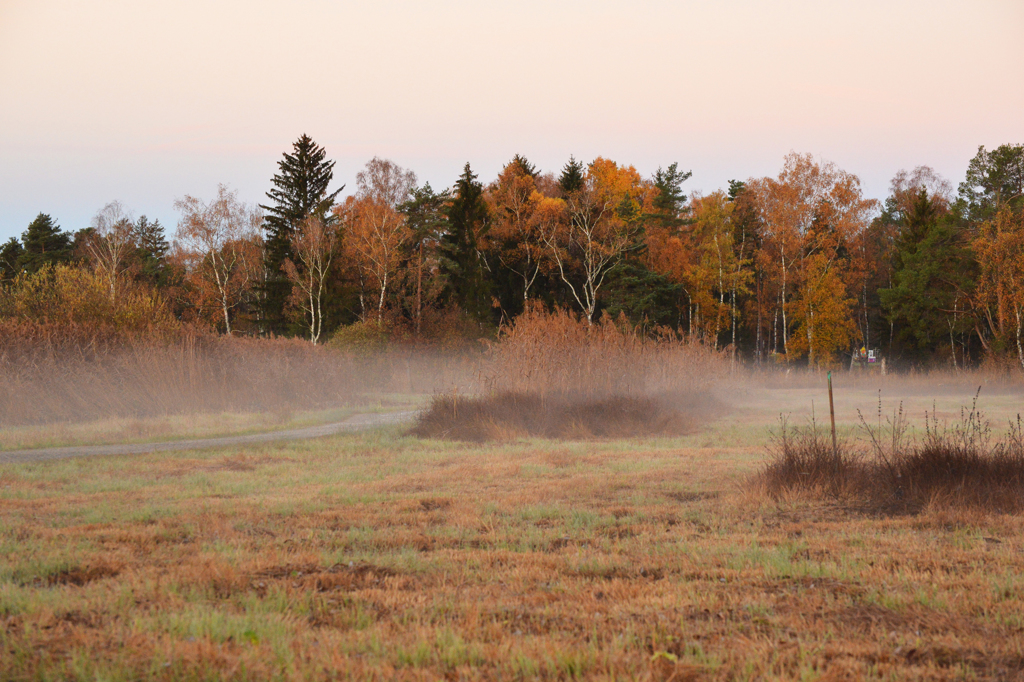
378 556
954 465
209 375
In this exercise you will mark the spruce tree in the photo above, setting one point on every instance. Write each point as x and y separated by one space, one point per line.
43 244
524 165
151 251
300 190
571 180
461 260
933 269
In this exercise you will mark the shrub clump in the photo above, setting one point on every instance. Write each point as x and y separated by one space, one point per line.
890 472
508 416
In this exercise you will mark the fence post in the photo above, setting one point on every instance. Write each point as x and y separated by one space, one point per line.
832 414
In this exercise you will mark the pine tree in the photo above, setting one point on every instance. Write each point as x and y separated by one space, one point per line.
43 244
461 260
10 254
671 200
300 190
572 177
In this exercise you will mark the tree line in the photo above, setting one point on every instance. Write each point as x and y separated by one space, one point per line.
799 267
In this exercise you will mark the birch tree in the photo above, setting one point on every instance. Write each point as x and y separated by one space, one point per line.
602 223
220 242
110 243
374 229
314 243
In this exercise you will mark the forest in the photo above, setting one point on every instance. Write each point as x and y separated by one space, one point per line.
798 268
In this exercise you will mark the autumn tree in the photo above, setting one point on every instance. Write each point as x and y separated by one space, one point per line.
375 230
314 244
821 308
1000 293
604 221
220 243
807 195
716 273
519 208
110 243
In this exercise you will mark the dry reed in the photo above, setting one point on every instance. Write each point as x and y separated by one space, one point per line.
554 375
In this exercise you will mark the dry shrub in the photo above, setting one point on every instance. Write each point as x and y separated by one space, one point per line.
952 466
554 375
507 416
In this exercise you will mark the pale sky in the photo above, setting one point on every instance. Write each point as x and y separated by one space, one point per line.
145 101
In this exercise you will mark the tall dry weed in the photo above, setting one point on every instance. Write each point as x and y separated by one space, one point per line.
558 353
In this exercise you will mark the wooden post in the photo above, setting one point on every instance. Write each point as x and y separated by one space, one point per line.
832 414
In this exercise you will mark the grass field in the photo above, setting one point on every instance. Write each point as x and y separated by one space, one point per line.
379 556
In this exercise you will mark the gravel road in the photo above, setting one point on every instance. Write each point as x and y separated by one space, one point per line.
357 422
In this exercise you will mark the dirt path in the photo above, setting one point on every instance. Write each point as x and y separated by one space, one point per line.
355 423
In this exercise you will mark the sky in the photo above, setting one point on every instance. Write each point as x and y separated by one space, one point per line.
145 102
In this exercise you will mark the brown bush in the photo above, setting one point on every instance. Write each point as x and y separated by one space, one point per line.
508 416
953 466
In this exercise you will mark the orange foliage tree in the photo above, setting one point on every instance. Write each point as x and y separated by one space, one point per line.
219 243
520 211
999 248
810 215
603 221
374 230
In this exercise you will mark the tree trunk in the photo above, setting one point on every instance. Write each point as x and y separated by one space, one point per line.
419 290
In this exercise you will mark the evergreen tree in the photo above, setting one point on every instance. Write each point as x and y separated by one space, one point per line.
461 260
736 188
151 251
572 178
644 296
671 200
44 243
300 190
525 166
425 216
933 275
993 178
10 254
